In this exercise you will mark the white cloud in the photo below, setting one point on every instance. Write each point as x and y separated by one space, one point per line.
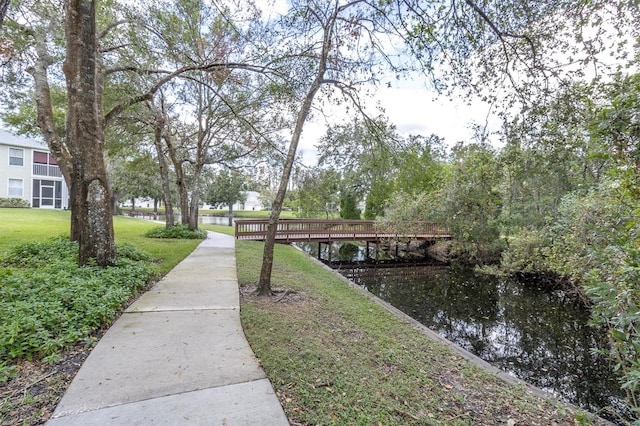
414 109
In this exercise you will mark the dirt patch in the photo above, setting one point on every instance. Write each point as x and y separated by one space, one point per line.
285 296
36 387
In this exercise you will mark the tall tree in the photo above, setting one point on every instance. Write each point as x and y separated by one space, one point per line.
37 46
318 193
92 224
324 39
455 43
365 153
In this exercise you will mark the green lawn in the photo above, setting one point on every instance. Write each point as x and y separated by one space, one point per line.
18 226
23 225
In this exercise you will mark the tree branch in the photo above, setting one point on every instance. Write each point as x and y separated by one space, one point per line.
502 34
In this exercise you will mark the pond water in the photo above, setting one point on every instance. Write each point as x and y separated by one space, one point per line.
215 220
205 220
534 334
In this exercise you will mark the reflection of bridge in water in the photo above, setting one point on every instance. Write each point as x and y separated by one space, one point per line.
327 231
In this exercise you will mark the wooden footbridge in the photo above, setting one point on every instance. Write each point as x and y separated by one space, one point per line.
327 231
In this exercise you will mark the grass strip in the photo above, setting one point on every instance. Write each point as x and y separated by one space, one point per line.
335 357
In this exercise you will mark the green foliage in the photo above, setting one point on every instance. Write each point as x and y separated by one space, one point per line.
470 202
13 203
349 207
525 252
376 163
617 125
594 242
226 189
363 156
571 206
50 303
548 154
21 112
613 279
318 193
180 231
136 177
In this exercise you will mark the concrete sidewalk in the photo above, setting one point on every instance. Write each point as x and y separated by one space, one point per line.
177 356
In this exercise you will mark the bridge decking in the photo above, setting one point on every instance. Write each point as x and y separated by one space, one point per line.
319 230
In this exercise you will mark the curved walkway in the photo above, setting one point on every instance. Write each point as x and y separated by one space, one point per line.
177 356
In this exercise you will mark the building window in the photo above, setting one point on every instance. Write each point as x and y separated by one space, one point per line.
16 157
40 157
15 188
47 193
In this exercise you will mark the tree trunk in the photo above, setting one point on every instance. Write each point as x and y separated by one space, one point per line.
158 129
91 214
194 207
230 214
4 6
264 285
183 194
194 210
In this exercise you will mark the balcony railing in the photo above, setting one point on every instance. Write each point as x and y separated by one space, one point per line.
46 170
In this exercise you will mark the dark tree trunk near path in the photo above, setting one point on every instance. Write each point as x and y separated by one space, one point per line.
91 214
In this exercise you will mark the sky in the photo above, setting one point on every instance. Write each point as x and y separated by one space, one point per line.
410 105
414 109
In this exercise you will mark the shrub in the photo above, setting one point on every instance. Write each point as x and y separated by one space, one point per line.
594 241
177 231
14 203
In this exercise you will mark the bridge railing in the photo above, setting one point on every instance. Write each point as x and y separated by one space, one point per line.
331 229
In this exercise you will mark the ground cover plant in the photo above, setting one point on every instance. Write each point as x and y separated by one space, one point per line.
50 303
177 231
336 357
53 311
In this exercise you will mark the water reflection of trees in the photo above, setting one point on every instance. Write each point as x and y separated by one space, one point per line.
527 331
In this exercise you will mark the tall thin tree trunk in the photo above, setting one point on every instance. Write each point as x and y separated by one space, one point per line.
264 285
4 6
194 207
158 129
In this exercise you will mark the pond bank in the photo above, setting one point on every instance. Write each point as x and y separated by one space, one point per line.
335 356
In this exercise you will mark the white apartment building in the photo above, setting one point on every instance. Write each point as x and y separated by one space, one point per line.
30 172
